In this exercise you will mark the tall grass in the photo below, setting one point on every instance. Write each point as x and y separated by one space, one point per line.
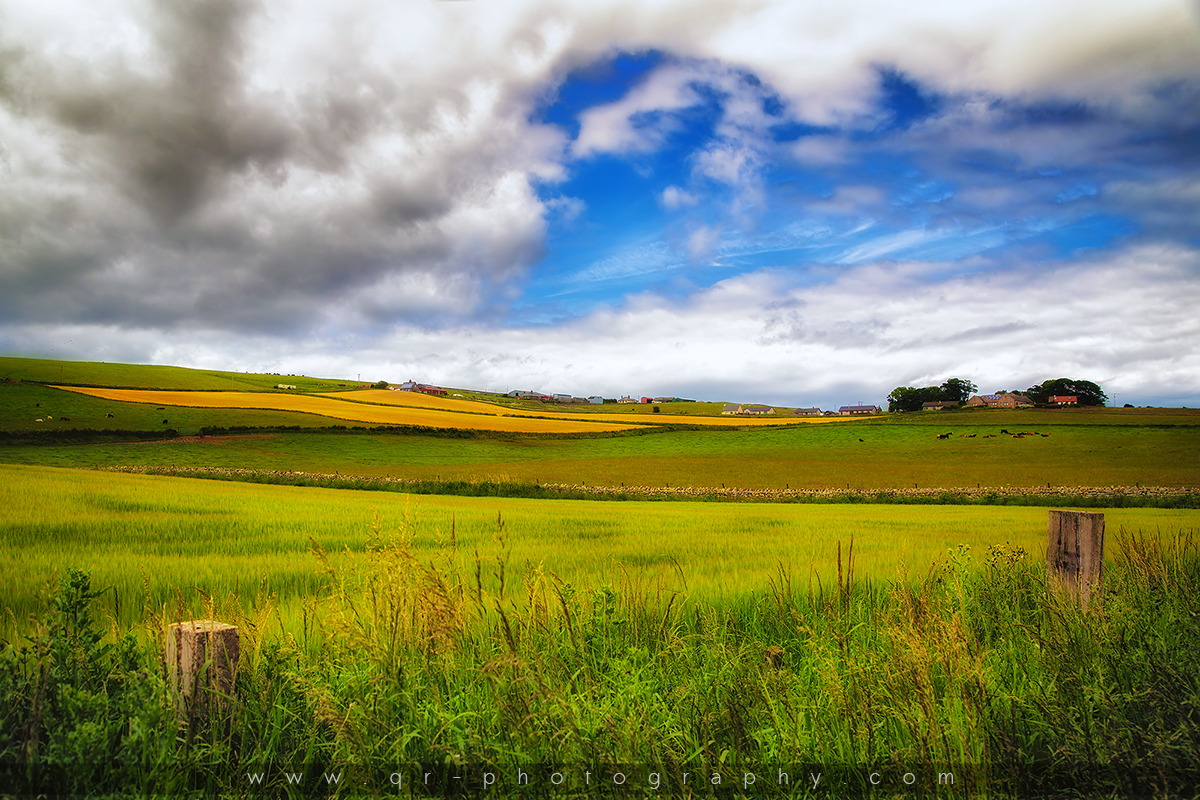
410 663
138 534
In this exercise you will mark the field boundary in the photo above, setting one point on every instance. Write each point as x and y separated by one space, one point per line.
1077 496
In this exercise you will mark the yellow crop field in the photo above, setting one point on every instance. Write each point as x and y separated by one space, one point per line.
740 422
349 411
388 397
417 400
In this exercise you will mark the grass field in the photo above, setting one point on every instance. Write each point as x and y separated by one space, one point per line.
892 454
724 641
222 538
384 632
147 376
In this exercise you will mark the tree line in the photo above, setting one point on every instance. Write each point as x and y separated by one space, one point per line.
958 390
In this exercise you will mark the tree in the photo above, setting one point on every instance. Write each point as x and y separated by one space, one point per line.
910 398
958 390
381 385
1088 393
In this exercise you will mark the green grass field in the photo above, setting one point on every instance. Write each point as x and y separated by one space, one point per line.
893 454
145 376
674 641
386 632
158 535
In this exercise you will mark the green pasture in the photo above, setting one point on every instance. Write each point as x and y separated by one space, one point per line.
891 453
1068 447
151 541
21 404
146 376
383 629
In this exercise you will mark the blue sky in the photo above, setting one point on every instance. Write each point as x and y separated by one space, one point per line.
770 202
633 214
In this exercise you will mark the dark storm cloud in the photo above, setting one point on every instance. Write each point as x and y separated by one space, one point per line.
188 179
178 132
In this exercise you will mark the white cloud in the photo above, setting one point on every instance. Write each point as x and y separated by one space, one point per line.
1120 321
821 151
300 176
673 198
637 122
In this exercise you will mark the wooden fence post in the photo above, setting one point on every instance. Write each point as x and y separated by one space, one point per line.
202 658
1075 552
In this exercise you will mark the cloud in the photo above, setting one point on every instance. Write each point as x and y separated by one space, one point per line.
355 179
184 177
770 336
641 120
673 198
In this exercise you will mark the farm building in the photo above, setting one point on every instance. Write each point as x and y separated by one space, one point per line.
938 405
807 412
1006 400
847 411
731 408
1064 399
627 399
757 411
596 400
285 386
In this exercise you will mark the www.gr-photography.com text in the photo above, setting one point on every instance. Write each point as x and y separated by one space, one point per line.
442 780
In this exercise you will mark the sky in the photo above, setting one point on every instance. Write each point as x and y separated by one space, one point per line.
799 203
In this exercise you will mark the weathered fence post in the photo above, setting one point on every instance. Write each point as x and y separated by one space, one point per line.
1075 552
202 658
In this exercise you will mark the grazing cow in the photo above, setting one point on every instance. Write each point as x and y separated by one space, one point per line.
1005 432
48 417
943 436
164 422
64 419
37 420
1044 434
108 416
972 436
860 440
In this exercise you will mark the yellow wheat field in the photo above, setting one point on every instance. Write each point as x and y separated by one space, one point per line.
417 400
351 411
667 419
387 397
